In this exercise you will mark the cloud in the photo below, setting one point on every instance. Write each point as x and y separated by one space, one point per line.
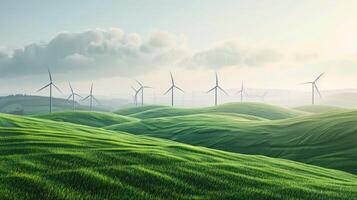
100 52
230 53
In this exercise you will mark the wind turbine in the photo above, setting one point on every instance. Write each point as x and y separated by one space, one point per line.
136 95
73 95
50 85
216 88
172 88
314 87
91 97
142 87
241 91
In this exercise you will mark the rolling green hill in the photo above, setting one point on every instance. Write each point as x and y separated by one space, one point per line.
43 159
328 140
319 108
255 109
34 105
96 119
132 110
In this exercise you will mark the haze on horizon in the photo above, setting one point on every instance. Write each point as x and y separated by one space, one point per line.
268 44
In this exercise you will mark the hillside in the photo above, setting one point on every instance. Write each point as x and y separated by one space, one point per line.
328 140
34 105
42 159
255 109
319 108
136 109
96 119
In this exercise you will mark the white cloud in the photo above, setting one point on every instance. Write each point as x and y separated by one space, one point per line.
106 52
230 53
99 53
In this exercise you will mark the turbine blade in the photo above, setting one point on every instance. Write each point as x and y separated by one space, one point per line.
179 89
172 79
138 83
223 90
211 89
318 91
43 87
57 88
77 95
85 98
49 74
96 100
216 79
168 90
70 86
69 97
91 89
319 76
146 87
306 83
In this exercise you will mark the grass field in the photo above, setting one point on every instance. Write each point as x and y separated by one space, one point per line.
95 119
43 159
327 139
320 108
254 109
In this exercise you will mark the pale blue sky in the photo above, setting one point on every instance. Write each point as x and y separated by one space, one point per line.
289 40
201 21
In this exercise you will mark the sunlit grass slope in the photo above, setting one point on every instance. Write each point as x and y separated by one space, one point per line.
320 108
255 109
42 159
328 140
96 119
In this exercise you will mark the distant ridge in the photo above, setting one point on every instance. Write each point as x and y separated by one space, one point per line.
33 105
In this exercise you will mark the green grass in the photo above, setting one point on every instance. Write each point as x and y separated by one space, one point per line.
96 119
132 110
320 108
255 109
328 140
43 159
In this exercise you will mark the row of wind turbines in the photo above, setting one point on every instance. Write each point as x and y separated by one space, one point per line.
216 88
72 96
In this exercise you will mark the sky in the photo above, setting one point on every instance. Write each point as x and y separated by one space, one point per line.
266 43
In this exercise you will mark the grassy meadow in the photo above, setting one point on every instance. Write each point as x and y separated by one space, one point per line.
130 154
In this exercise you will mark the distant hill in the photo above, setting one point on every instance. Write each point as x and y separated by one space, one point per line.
255 109
32 105
320 108
44 159
95 119
328 139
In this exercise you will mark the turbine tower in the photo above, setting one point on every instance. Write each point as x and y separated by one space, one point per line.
73 95
314 87
136 91
142 87
172 88
50 85
241 91
216 88
91 98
